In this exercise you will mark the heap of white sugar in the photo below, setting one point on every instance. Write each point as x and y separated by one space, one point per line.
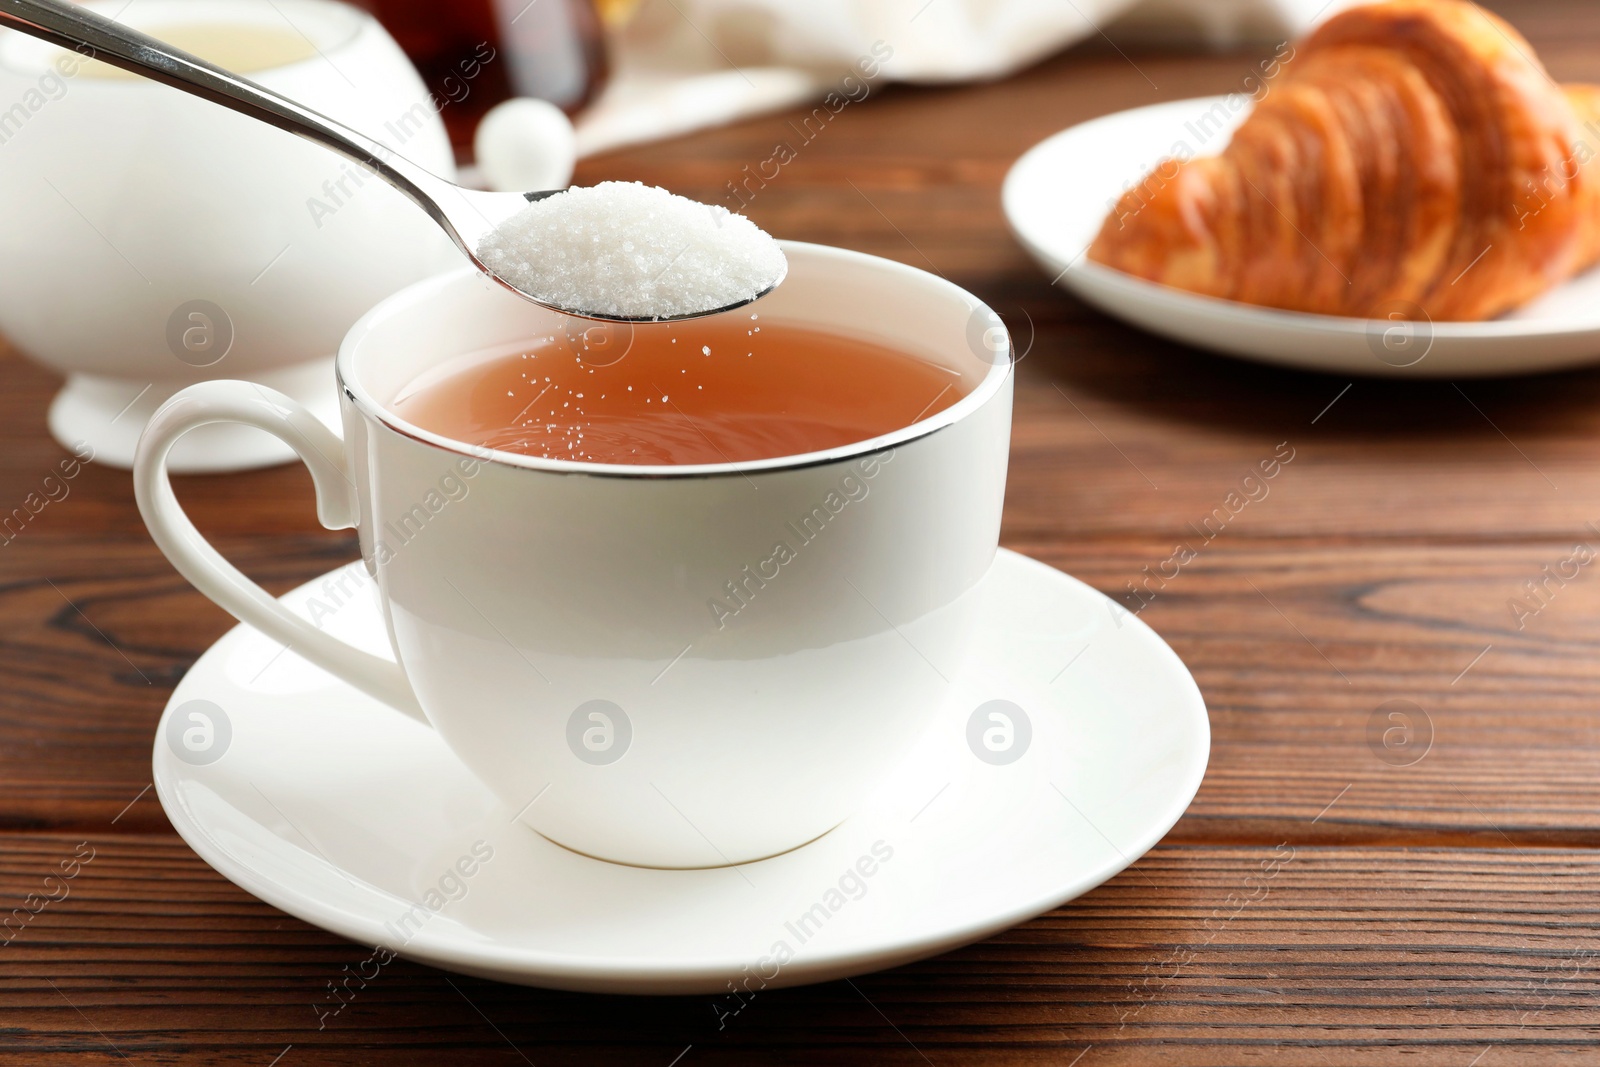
629 250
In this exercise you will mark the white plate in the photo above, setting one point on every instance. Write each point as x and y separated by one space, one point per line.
1058 194
333 808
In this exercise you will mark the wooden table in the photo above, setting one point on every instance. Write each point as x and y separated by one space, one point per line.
1443 912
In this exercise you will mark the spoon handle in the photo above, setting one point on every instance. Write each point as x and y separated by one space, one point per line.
94 36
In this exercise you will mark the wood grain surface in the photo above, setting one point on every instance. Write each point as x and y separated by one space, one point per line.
1442 912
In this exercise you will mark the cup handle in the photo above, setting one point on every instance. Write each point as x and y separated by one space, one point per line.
194 557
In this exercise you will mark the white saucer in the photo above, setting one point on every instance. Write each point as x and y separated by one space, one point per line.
1058 194
339 811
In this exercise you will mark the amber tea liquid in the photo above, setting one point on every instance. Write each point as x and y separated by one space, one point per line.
720 390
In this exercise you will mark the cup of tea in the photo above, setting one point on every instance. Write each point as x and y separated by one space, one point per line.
153 239
680 594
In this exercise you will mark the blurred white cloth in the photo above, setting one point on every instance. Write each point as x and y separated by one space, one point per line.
681 65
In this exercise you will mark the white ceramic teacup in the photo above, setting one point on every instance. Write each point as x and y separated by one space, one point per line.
676 666
153 239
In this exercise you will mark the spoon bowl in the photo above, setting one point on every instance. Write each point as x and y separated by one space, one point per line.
470 215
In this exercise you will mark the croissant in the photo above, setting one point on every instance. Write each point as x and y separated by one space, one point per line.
1411 154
